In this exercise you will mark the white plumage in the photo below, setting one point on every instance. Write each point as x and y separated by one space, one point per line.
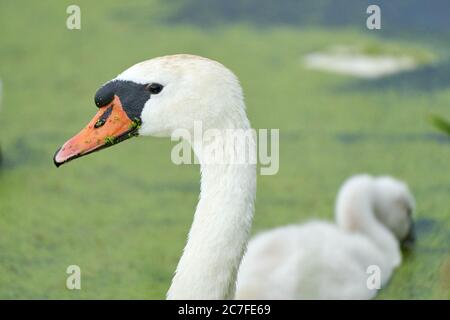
322 260
197 89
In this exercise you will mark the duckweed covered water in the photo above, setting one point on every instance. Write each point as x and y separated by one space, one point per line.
123 214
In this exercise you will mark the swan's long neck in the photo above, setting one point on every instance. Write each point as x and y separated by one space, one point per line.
220 230
355 212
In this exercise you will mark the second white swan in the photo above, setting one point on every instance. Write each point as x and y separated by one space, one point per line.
322 260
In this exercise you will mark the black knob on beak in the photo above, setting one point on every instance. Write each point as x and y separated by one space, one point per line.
105 94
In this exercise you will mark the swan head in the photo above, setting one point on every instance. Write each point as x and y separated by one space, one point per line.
157 97
394 207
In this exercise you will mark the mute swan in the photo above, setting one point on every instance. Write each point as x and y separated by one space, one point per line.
321 260
155 98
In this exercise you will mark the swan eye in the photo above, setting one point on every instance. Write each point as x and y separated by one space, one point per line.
154 88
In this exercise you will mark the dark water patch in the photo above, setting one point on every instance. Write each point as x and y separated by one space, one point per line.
425 79
425 225
16 52
290 135
20 153
359 137
28 150
351 138
426 230
397 16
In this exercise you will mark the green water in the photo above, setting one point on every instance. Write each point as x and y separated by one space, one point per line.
123 214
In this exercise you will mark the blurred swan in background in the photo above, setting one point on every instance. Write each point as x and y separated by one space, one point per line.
322 260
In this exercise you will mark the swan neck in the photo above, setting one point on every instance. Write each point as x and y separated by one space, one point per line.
355 212
219 232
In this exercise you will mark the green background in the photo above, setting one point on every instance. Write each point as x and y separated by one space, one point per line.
123 214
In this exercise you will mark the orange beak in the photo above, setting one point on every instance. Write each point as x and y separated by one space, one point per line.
109 126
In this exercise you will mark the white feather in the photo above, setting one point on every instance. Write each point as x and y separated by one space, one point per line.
322 260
